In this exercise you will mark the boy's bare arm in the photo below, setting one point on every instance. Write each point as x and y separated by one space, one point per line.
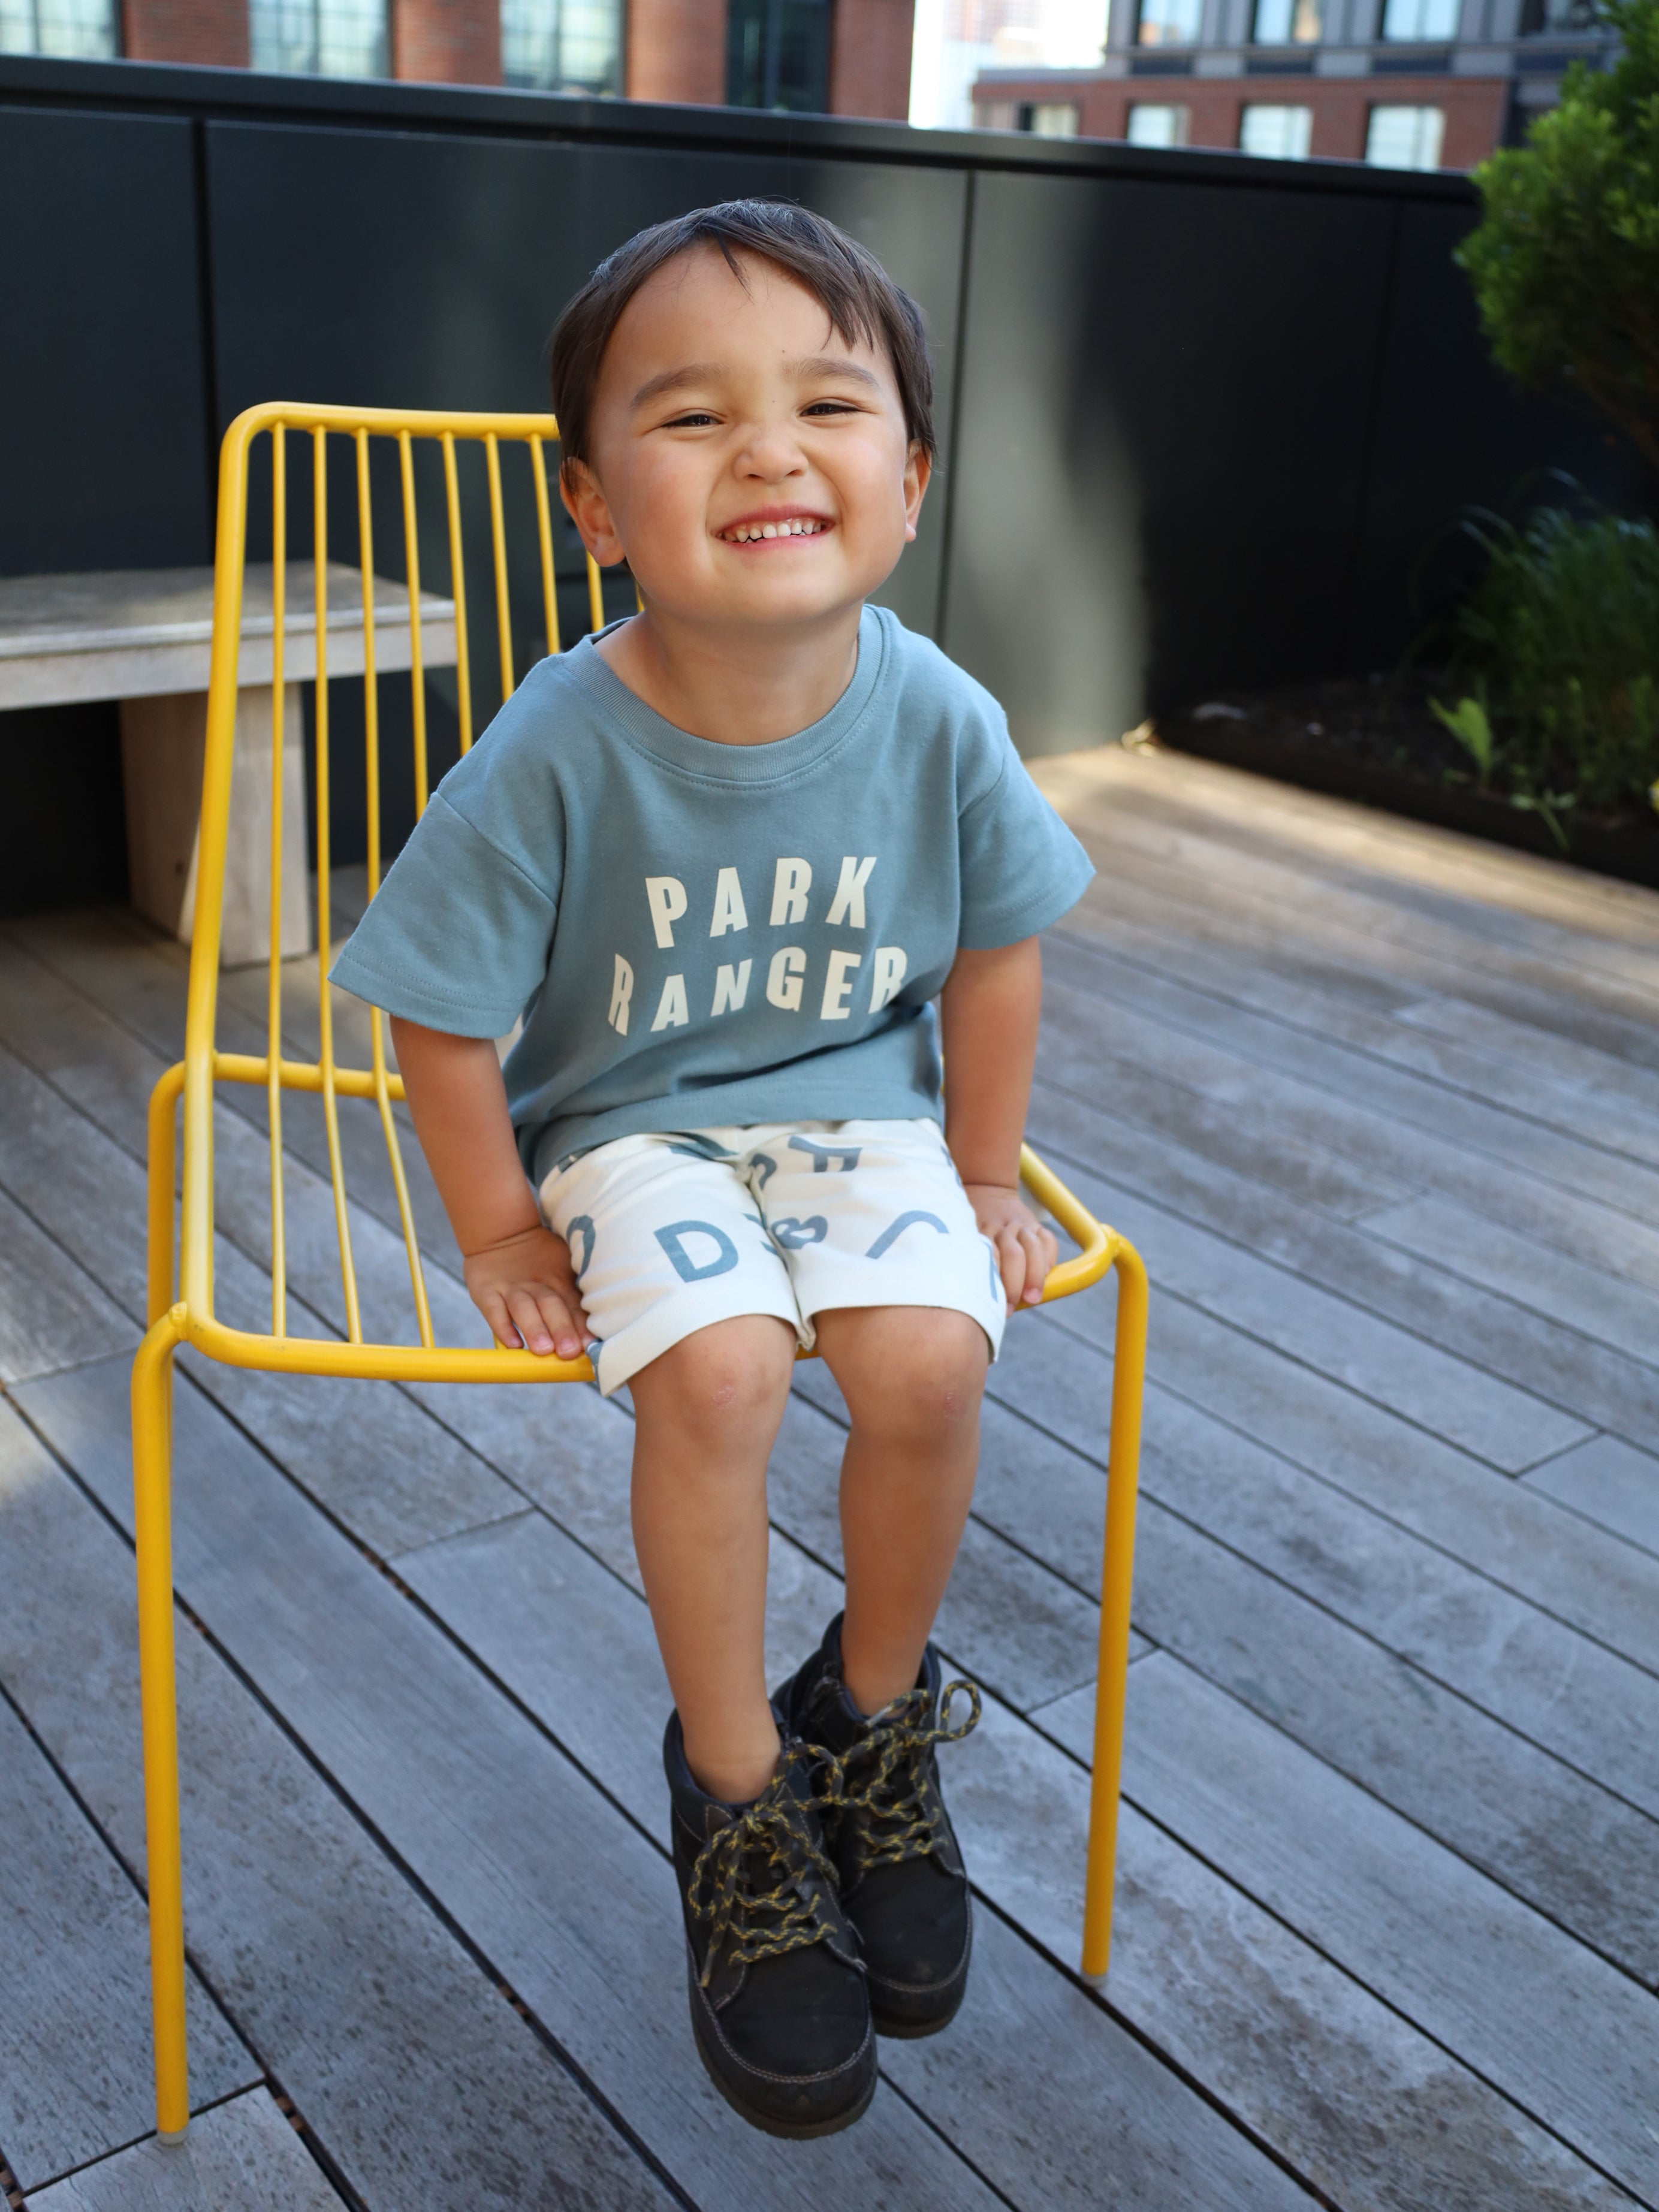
519 1272
989 1009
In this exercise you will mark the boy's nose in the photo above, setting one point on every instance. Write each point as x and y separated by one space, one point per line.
771 454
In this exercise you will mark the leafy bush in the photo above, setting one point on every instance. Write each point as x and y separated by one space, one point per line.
1565 259
1557 651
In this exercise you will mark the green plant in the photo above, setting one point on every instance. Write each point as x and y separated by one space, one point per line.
1557 652
1471 725
1566 259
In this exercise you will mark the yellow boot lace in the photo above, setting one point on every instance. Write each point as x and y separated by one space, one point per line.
772 1838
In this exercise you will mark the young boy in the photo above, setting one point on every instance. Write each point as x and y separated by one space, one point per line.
722 857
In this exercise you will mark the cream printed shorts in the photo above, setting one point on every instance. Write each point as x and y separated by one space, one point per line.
670 1232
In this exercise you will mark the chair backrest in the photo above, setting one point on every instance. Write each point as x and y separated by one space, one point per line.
361 511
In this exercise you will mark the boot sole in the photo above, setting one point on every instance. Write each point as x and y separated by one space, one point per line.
911 2030
768 2122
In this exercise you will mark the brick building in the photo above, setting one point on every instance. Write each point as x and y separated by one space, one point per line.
834 57
1414 84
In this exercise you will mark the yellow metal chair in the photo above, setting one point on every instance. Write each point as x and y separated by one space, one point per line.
182 1311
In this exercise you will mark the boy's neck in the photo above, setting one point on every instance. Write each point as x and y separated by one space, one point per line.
747 685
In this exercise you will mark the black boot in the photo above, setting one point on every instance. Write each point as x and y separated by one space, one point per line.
902 1885
779 2003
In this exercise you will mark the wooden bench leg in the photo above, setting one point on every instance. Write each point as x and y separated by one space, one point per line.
163 743
152 1466
1111 1686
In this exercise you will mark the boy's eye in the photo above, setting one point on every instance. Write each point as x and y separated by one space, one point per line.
831 407
695 420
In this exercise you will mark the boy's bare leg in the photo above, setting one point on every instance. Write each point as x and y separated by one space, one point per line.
913 1377
708 1415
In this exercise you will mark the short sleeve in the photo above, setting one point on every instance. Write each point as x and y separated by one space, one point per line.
458 935
1022 868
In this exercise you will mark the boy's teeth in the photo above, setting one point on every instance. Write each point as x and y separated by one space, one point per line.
798 526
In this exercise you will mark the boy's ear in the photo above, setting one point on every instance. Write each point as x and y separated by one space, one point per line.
587 508
917 474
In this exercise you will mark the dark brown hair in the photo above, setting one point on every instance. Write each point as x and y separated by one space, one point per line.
855 292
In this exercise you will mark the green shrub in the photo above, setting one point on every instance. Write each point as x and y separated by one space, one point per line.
1566 259
1559 646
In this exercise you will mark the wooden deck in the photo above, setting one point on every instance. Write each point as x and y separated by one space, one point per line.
1381 1107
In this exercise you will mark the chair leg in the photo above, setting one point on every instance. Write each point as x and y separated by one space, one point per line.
152 1467
1129 1384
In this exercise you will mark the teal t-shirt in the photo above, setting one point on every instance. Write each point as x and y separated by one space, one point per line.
699 935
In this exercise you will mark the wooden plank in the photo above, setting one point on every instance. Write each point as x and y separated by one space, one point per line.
242 2154
1271 1301
139 980
75 2075
481 1806
1478 1250
1574 1850
1555 2028
1354 1090
1047 2095
1576 1698
400 1480
1266 972
1574 998
1320 854
1523 1044
419 2077
1360 2103
1609 1483
53 1315
1419 1288
1599 1235
1403 860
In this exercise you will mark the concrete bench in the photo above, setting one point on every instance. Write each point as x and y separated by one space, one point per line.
144 637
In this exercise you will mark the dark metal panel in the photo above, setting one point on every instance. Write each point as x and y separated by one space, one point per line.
1163 419
102 451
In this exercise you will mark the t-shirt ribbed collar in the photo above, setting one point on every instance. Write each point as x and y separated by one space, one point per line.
778 761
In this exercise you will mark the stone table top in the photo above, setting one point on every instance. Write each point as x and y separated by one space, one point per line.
132 633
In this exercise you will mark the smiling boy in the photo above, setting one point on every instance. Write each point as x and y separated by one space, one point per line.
722 858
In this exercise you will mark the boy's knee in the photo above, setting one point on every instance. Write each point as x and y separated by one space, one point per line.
727 1378
921 1372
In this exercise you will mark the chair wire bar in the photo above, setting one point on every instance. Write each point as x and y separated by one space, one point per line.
458 591
498 547
372 765
412 574
545 536
595 594
325 904
274 1021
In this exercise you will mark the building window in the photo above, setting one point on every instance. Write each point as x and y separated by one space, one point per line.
1278 134
562 46
1288 22
319 38
1150 125
1420 19
1050 118
1169 22
1404 137
74 30
777 54
1558 16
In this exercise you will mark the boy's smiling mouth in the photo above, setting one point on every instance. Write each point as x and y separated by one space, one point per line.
770 524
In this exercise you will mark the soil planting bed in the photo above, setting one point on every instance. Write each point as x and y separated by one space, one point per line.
1366 739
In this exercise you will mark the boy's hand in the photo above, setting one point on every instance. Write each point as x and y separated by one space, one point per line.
1025 1250
525 1289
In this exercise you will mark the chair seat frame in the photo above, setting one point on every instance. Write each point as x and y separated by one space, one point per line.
180 1280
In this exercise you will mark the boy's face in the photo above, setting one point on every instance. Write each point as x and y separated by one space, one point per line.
726 410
